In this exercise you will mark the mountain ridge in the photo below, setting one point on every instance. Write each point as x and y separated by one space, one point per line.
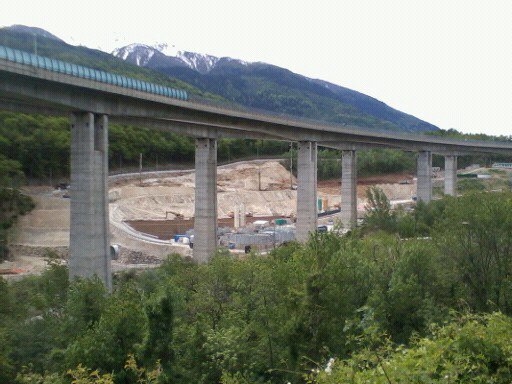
225 73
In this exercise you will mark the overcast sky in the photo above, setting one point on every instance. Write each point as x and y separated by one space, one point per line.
447 62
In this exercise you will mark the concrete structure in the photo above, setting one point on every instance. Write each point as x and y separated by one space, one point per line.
424 174
450 175
89 251
205 216
27 87
348 214
306 189
236 217
242 215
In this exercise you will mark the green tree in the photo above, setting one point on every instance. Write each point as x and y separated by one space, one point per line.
118 333
158 343
476 232
378 211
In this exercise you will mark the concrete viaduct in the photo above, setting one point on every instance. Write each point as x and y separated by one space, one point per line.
91 104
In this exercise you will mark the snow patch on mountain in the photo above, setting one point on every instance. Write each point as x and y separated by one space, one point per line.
166 49
199 62
141 54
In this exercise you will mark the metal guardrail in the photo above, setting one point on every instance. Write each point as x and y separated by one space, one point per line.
22 57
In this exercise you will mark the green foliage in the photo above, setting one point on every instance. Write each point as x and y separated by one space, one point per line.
465 185
86 301
369 162
11 174
116 334
379 161
12 202
378 211
472 349
82 375
131 373
158 343
476 230
28 377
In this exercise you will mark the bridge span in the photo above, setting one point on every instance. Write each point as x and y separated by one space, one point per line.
30 83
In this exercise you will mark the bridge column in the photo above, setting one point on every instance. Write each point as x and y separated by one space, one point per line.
89 242
450 175
205 220
424 174
348 205
306 190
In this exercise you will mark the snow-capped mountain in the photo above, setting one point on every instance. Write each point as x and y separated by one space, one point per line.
162 55
258 84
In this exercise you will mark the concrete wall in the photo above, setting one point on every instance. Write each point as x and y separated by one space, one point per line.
424 174
450 175
306 189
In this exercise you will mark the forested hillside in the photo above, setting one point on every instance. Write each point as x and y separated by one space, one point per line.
408 297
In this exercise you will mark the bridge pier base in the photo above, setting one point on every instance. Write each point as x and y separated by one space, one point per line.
450 175
205 217
89 242
424 174
348 213
307 215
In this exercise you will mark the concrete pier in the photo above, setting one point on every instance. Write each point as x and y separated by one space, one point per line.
307 215
89 243
424 174
348 214
205 220
450 175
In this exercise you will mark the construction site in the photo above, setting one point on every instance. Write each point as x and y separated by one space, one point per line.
152 214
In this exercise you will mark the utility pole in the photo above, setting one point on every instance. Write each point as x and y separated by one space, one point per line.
291 165
259 165
140 168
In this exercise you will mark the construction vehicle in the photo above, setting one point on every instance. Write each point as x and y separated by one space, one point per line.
177 215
